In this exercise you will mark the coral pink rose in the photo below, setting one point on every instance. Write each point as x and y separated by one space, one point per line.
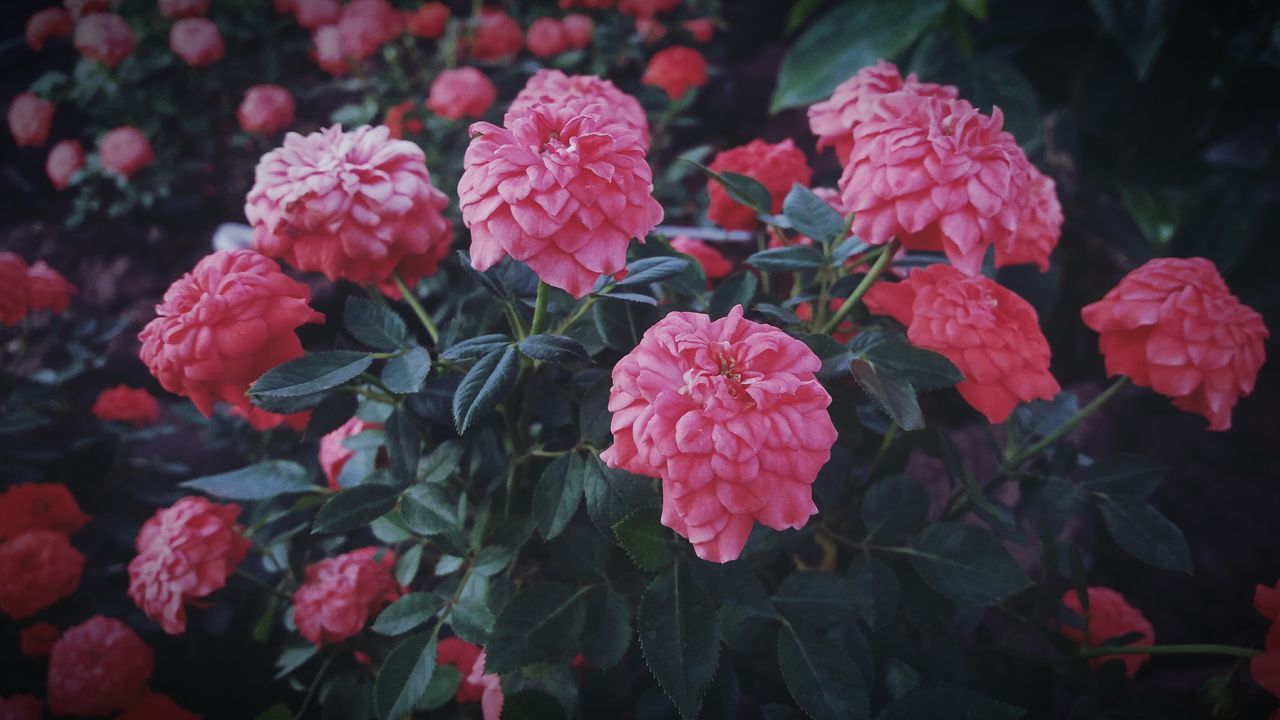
29 119
185 552
676 69
702 29
714 264
104 37
557 192
341 593
334 454
15 300
125 151
224 324
36 641
37 569
21 707
122 403
265 109
326 50
54 22
462 655
65 160
98 667
728 414
777 166
1109 617
428 21
365 25
545 38
183 8
1173 325
491 696
497 36
197 41
462 92
992 335
1039 224
154 706
353 205
315 14
48 289
39 506
578 30
646 8
614 110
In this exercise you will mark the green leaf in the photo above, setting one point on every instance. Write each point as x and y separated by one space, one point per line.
292 658
845 40
743 189
976 8
531 705
442 462
558 494
492 560
924 369
475 347
332 412
427 510
737 289
593 414
967 564
894 507
407 565
279 711
1138 26
822 678
404 374
374 324
644 538
612 494
442 688
1123 475
1145 534
264 480
484 386
354 508
553 349
954 703
680 638
310 374
621 324
607 631
407 613
404 445
540 624
796 258
891 391
403 678
811 215
652 270
472 620
877 589
817 598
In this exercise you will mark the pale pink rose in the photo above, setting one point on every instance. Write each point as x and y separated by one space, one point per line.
341 594
315 14
333 454
124 150
614 110
365 25
104 37
266 109
459 93
1039 224
197 41
351 205
29 119
497 36
326 49
54 22
491 696
65 160
545 38
555 191
578 30
183 8
729 415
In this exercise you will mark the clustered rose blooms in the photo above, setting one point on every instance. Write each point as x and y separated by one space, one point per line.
714 264
197 41
224 324
54 22
1173 325
614 110
992 335
545 38
365 25
125 404
333 454
104 37
427 21
183 8
356 205
1109 617
65 160
36 641
30 288
461 92
497 36
341 593
30 117
265 109
676 69
776 166
21 707
37 569
578 30
98 667
557 191
154 706
39 506
462 655
125 151
1265 668
728 414
185 552
491 699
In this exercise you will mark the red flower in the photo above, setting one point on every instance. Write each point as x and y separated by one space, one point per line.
497 36
578 30
334 455
21 707
991 334
29 119
462 655
428 21
39 506
650 30
197 41
37 640
54 22
47 288
1039 224
154 706
365 25
84 8
1266 600
122 403
1173 325
341 593
676 69
98 667
224 324
15 299
398 123
37 569
776 166
588 4
104 37
702 29
1265 668
462 92
545 38
1109 617
65 160
266 109
124 150
183 8
315 14
714 264
615 111
842 334
646 8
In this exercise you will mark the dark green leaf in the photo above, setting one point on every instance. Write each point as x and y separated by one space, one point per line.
1123 475
475 347
354 508
632 297
404 445
332 412
967 564
1145 534
652 270
976 8
894 507
607 632
812 216
847 249
405 373
492 560
540 624
821 676
531 705
484 386
407 613
292 658
256 482
426 510
680 638
796 258
404 676
442 462
817 598
613 494
310 374
891 391
553 349
1138 26
558 494
374 324
924 369
737 289
472 620
953 703
442 688
407 565
644 538
621 324
593 414
877 589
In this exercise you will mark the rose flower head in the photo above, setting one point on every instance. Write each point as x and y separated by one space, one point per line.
714 264
701 29
728 414
461 92
992 335
497 36
777 166
224 324
105 37
614 110
65 160
98 667
85 8
341 593
1109 616
48 289
351 205
676 69
556 191
183 8
36 641
265 109
545 38
197 41
37 569
491 699
428 21
315 14
29 119
365 25
15 299
1039 224
462 655
54 22
1173 325
125 404
125 150
578 30
326 50
39 506
334 454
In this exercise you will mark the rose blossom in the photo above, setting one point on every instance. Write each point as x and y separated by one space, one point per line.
65 160
702 29
224 324
833 120
497 36
398 121
39 506
428 21
650 30
54 22
334 455
341 593
104 37
315 14
154 706
545 38
29 119
37 569
197 41
47 288
21 707
728 414
15 300
98 667
122 403
462 655
461 92
777 166
1109 617
37 640
646 8
84 8
676 69
613 109
266 109
326 48
351 205
714 264
125 151
364 25
1173 325
578 30
183 8
491 699
557 192
992 335
1039 224
185 552
1266 600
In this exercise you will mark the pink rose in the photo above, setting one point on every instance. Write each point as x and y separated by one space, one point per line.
183 8
1039 224
84 8
98 667
777 166
37 569
702 29
341 593
104 37
197 41
614 110
459 93
265 109
48 289
315 14
21 707
334 454
646 8
365 25
29 119
125 151
48 23
545 38
125 404
578 30
675 70
326 48
65 160
714 264
497 36
491 699
462 655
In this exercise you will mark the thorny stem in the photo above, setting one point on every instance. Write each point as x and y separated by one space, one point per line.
886 254
418 310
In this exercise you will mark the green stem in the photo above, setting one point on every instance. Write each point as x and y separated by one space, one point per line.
540 309
576 315
418 310
1191 649
315 685
1017 460
886 256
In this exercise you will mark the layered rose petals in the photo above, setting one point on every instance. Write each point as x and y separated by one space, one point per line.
37 569
1039 224
614 110
340 594
265 109
104 37
39 506
1109 617
125 150
776 166
461 92
98 667
675 70
125 404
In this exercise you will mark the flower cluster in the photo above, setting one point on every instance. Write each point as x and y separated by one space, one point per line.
340 594
25 289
